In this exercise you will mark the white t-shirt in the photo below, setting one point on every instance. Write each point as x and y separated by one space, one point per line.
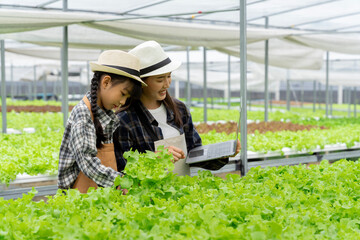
160 115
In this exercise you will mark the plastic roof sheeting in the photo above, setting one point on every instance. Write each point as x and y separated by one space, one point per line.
168 32
185 34
344 78
293 20
282 53
78 37
331 43
218 78
306 14
55 53
20 20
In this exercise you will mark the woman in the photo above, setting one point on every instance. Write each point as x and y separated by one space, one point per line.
87 157
157 118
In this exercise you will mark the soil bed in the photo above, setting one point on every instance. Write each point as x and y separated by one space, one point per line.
228 127
31 108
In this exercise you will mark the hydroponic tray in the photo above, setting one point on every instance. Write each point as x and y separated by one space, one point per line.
290 158
44 184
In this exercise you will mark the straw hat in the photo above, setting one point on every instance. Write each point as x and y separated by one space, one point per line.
153 59
119 63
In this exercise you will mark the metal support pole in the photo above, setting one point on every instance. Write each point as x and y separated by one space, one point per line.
12 81
288 94
205 86
331 100
327 84
177 89
229 81
348 90
3 87
340 95
212 98
266 117
355 101
319 98
314 96
30 91
34 84
54 85
302 94
188 85
346 98
64 72
249 100
44 87
243 87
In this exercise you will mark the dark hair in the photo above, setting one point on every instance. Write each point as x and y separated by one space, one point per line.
94 89
169 103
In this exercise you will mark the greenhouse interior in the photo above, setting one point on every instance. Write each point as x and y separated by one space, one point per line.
279 80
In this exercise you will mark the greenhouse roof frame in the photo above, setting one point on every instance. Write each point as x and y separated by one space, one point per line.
137 9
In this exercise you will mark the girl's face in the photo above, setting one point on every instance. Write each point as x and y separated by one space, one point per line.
156 86
112 97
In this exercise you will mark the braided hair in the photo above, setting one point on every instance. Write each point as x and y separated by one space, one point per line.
94 89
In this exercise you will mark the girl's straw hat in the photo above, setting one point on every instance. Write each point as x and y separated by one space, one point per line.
118 62
153 59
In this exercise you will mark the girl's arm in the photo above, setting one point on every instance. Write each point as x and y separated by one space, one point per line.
83 146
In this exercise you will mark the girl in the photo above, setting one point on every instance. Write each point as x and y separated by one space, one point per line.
87 157
157 118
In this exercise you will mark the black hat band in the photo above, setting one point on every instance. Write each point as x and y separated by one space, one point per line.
155 66
125 69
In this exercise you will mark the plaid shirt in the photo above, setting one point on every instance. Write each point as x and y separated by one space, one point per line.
78 147
131 133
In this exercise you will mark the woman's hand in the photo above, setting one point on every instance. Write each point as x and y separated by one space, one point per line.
238 147
176 152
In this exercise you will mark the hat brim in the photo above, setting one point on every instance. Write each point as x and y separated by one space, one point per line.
95 67
173 65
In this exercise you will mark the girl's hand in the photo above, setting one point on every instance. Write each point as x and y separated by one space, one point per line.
176 152
124 191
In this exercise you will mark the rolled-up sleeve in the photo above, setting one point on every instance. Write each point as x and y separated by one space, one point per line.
83 147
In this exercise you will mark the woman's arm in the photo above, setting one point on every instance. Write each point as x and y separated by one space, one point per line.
192 137
122 143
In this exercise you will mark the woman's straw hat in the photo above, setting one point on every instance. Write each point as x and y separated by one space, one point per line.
153 59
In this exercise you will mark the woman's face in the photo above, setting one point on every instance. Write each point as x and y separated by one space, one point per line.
156 86
113 96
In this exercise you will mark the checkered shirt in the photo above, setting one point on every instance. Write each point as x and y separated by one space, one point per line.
78 147
131 134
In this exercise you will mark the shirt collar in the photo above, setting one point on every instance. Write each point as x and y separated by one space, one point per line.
149 116
169 113
105 116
